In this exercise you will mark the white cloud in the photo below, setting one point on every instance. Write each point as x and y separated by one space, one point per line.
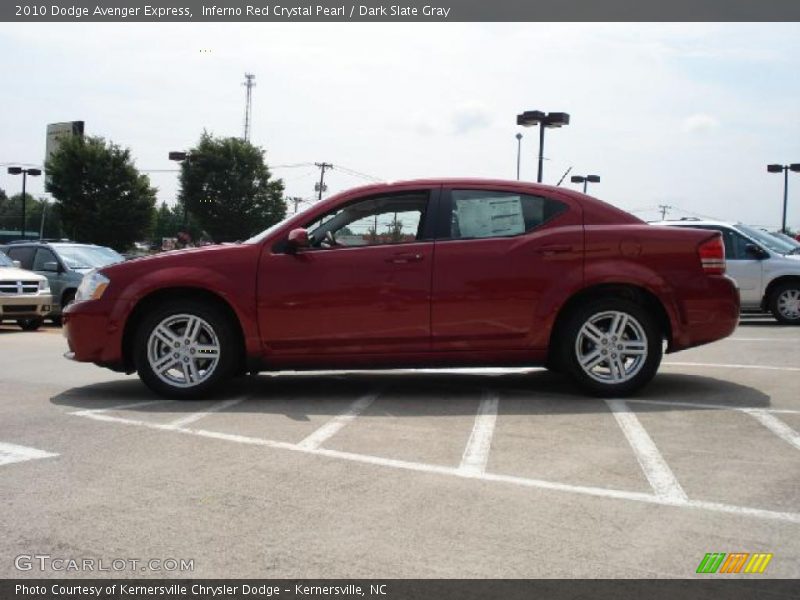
470 116
699 123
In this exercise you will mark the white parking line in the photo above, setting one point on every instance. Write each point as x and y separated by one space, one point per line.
771 340
457 472
332 427
729 366
191 418
662 480
775 425
786 411
88 411
12 453
476 453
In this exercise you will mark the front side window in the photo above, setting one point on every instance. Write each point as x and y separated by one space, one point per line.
484 213
375 221
43 255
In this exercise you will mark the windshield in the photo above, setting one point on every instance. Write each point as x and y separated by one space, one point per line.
5 261
88 257
767 240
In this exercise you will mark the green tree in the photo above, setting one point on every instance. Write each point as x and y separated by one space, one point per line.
102 198
11 215
228 188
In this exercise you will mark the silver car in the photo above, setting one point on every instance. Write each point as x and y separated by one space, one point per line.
763 265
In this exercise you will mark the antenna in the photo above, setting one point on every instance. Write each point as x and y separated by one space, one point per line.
249 83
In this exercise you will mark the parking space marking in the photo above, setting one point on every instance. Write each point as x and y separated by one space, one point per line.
332 427
93 411
775 425
458 472
476 452
191 418
729 366
787 411
13 453
770 340
655 468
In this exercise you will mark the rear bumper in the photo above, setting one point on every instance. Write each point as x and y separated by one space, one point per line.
25 306
708 316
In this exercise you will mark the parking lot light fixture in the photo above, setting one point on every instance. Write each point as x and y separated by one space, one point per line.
795 168
552 120
24 173
585 180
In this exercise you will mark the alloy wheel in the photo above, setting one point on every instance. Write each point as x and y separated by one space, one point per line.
611 347
183 350
789 304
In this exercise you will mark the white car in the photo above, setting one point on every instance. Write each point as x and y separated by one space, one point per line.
24 296
764 267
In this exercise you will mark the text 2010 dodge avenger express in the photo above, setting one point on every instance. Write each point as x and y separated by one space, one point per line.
440 273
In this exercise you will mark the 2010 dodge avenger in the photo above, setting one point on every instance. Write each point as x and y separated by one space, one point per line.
431 273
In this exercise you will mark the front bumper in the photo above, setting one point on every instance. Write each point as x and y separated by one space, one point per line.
25 306
92 335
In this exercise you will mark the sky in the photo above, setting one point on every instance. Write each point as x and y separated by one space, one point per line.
686 115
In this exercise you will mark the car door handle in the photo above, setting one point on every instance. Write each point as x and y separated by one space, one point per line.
405 257
551 249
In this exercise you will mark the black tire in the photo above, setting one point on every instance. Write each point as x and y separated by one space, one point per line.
634 374
67 298
227 340
782 313
30 324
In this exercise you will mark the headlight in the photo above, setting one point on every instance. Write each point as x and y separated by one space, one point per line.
92 287
44 286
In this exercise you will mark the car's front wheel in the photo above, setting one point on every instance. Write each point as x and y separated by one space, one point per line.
785 303
611 347
185 350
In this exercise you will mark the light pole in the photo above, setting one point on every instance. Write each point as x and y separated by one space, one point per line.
25 173
550 120
179 157
795 167
585 180
519 151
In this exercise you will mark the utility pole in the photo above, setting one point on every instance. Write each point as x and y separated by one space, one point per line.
322 166
296 200
249 83
664 208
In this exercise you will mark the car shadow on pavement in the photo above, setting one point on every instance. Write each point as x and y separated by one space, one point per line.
403 393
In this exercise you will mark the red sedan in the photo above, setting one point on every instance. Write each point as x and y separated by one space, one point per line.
433 273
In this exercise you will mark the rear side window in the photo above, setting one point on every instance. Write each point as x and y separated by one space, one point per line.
479 214
23 255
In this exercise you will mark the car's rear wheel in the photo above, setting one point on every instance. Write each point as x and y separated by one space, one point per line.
785 303
185 350
30 324
611 346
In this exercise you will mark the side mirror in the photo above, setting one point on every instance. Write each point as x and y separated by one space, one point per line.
50 266
756 252
17 264
298 238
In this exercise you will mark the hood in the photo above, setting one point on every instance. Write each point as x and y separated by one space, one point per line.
15 274
177 258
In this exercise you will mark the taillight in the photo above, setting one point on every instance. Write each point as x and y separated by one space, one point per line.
712 255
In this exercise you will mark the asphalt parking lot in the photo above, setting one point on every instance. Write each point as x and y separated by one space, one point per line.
473 473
